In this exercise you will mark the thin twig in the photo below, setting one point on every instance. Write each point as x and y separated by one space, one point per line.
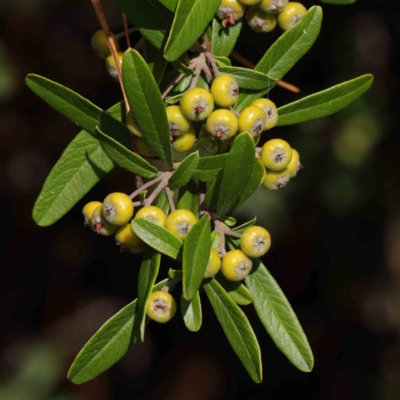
159 188
140 44
122 34
170 285
126 30
171 85
170 199
214 66
145 186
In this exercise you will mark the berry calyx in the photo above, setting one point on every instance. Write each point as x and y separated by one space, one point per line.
87 212
152 214
184 142
276 154
179 124
117 208
292 13
270 110
180 222
132 126
274 180
260 21
222 124
100 45
143 147
272 6
252 120
236 265
255 241
214 264
128 240
100 224
161 306
225 90
112 66
230 11
197 104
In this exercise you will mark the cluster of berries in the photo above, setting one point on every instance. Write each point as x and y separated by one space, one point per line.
262 15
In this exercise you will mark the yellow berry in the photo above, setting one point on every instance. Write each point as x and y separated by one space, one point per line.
184 142
117 208
143 147
100 44
132 126
222 124
272 6
255 241
178 122
236 265
197 104
252 120
270 110
100 224
294 164
291 14
276 154
230 11
180 222
128 240
111 66
259 21
161 306
250 2
214 264
153 214
225 90
274 180
87 212
263 177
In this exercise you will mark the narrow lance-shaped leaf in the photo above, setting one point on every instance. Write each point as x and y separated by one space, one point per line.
210 167
146 104
236 290
212 194
80 167
188 197
147 276
191 19
170 4
223 40
196 252
324 103
158 238
339 2
184 171
206 147
156 62
278 318
237 329
191 312
125 158
107 345
247 78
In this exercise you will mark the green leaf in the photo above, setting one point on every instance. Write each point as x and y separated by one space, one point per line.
158 238
188 197
223 40
237 174
80 167
278 318
212 194
324 103
173 99
147 276
230 221
206 147
182 67
339 2
247 78
196 252
78 109
146 104
241 228
151 18
210 167
236 290
215 239
175 274
156 62
222 61
237 329
162 202
184 172
170 4
191 312
247 96
125 158
107 345
191 19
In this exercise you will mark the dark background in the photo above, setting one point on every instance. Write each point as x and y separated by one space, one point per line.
335 228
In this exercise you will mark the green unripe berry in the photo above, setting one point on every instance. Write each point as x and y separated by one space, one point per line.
184 142
118 208
152 214
132 126
161 306
236 265
180 222
222 124
294 165
276 154
87 212
270 111
230 11
197 104
100 44
259 21
128 240
100 224
214 264
252 120
225 90
143 147
255 241
292 13
274 180
111 66
179 124
272 6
